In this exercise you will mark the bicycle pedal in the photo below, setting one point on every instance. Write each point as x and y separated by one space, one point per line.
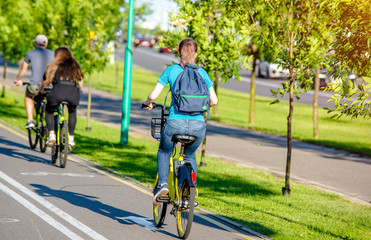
163 198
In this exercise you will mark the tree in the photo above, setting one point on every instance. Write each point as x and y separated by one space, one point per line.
17 32
292 30
212 25
352 47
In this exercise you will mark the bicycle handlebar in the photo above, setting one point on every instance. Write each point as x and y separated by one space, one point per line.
154 105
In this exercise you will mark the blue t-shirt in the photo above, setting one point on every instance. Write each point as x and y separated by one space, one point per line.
170 75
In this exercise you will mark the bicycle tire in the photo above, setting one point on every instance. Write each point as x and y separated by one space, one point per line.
185 212
32 137
159 213
43 132
63 144
42 137
54 153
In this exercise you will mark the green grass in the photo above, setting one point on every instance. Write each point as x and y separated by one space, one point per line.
351 135
250 197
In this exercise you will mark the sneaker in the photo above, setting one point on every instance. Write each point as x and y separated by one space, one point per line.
71 142
51 140
30 124
160 190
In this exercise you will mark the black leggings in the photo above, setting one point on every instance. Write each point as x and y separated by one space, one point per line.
49 118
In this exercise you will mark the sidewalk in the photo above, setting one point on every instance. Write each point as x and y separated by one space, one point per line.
334 170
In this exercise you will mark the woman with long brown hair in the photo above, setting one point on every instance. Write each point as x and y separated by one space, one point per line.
179 122
65 74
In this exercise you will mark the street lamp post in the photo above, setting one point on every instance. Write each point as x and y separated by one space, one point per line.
126 95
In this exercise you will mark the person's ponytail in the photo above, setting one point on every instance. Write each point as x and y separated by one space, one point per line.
187 51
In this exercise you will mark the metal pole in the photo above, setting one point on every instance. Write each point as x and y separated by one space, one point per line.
126 94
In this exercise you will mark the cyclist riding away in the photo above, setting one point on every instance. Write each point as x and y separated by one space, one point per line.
39 59
178 122
65 74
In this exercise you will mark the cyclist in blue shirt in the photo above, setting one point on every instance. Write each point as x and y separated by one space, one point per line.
178 122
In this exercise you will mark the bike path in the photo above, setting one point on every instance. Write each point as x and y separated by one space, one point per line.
331 169
43 201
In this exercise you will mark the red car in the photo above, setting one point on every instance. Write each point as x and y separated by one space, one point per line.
168 50
144 42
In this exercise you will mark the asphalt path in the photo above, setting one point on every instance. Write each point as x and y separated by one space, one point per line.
43 201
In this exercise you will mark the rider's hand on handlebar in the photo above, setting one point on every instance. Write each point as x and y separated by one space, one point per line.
147 106
18 82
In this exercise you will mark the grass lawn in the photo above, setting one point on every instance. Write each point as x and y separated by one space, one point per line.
250 197
345 133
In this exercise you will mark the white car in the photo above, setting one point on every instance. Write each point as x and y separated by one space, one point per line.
325 78
271 70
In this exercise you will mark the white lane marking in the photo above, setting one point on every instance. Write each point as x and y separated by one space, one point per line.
53 208
57 225
141 221
57 174
8 220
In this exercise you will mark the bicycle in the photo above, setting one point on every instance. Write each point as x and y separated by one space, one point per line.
39 132
61 129
181 182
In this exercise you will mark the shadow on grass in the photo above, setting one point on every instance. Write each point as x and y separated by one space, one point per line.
132 160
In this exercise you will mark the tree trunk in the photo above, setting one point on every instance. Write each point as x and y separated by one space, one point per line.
117 67
4 77
286 190
88 128
252 92
315 104
202 162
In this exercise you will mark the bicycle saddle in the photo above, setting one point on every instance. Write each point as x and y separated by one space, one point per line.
187 139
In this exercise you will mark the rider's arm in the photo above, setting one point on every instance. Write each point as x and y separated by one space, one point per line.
213 97
81 83
22 71
154 95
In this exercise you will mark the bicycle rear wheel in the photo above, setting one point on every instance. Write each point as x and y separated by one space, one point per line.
63 144
184 215
32 137
159 212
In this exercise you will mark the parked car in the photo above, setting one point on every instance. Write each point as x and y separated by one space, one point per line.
271 70
144 42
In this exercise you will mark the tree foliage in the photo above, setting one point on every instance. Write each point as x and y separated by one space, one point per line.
352 47
213 26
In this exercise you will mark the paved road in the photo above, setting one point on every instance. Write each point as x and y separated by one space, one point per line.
42 201
152 60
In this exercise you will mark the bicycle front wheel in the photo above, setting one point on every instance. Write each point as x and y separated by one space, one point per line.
54 153
159 212
63 144
185 209
32 137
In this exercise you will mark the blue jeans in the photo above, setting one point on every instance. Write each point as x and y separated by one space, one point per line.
178 126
